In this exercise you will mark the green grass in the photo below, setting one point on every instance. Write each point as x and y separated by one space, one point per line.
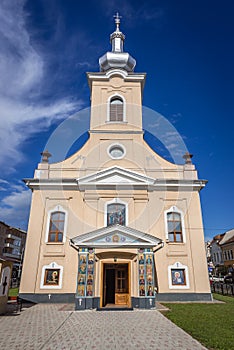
13 292
211 324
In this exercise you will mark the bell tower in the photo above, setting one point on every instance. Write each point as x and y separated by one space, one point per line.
116 91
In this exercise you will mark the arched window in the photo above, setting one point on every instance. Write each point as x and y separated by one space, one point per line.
116 214
116 109
174 227
56 229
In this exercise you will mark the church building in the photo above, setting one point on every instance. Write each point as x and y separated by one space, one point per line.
115 224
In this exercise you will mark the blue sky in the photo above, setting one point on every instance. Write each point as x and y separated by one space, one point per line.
185 47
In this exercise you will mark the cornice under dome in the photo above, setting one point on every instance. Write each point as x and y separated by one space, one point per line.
117 58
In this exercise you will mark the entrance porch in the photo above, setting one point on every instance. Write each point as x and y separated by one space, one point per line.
116 268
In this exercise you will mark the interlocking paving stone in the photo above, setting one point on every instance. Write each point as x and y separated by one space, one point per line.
49 327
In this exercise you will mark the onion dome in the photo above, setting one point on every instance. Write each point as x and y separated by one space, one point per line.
117 58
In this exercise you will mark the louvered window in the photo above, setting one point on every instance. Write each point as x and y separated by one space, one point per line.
116 109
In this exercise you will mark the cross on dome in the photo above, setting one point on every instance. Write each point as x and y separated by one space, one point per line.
117 20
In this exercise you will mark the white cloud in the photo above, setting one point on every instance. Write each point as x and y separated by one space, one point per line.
172 146
3 181
21 67
14 207
154 125
22 71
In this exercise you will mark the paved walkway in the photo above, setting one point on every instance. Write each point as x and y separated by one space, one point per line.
56 327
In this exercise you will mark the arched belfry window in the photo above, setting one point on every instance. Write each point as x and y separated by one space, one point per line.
174 225
116 109
116 214
56 229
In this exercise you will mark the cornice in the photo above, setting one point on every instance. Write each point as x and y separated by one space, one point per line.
105 76
73 184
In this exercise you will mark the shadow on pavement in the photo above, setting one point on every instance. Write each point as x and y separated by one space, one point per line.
15 308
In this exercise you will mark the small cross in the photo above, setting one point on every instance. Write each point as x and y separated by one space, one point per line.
117 20
49 296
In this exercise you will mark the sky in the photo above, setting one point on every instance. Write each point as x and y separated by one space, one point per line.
185 47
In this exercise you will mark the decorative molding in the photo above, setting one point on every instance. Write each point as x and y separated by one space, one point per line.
178 254
116 236
105 76
154 184
130 132
115 176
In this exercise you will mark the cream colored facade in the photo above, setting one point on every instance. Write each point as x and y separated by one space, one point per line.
100 262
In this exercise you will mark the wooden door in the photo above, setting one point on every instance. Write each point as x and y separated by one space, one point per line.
121 285
116 285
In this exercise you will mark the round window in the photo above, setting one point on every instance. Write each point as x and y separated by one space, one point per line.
116 151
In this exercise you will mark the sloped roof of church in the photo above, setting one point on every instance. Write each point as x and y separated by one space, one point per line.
149 138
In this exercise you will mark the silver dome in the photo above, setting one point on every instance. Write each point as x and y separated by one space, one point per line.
117 58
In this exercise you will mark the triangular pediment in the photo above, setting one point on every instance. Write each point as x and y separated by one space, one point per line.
116 176
116 236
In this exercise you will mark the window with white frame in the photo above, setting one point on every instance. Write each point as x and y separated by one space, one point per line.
116 109
174 223
178 276
56 225
116 151
51 276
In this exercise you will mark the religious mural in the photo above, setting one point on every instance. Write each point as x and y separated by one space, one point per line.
85 283
146 272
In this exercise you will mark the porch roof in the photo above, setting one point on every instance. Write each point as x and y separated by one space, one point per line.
116 236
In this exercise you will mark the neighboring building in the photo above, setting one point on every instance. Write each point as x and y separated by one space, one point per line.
222 252
216 251
115 222
12 245
227 246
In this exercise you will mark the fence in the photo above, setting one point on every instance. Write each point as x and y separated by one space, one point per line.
222 288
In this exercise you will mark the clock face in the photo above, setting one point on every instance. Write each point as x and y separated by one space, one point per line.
116 151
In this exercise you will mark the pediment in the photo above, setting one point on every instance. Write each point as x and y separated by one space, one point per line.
116 176
116 236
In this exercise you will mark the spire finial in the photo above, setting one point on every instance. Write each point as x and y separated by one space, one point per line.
117 20
188 158
45 156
